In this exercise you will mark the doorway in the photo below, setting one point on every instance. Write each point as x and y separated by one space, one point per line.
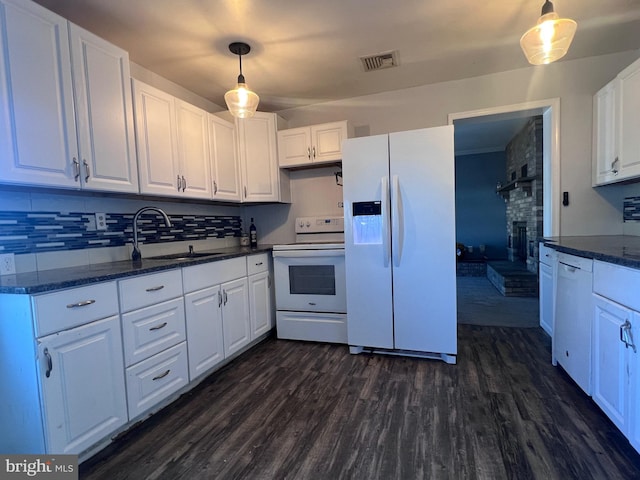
489 130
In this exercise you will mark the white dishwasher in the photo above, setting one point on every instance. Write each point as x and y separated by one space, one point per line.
571 345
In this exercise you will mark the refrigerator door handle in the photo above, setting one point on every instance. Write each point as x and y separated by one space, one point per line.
397 221
386 234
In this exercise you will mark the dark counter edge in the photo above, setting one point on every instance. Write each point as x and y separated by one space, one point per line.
61 278
623 250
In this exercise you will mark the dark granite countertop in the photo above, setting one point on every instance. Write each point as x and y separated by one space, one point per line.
619 249
60 278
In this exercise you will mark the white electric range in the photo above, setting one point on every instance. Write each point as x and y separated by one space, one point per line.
310 282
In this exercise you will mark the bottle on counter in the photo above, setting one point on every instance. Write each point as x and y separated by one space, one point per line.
253 235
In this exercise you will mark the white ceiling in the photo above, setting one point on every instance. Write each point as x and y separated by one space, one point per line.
306 51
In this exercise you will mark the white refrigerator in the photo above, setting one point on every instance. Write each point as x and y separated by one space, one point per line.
399 218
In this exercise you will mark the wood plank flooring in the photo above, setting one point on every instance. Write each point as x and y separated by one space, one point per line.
296 410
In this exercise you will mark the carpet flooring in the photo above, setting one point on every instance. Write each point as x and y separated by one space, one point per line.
479 303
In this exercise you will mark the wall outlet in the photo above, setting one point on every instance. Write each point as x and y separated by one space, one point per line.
7 264
101 221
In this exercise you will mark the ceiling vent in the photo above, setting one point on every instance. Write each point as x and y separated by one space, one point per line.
380 61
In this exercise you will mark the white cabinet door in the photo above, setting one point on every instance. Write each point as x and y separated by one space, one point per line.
193 150
294 147
83 385
204 330
546 298
157 142
629 117
260 304
605 146
259 158
610 378
327 141
38 143
104 112
235 315
634 383
225 169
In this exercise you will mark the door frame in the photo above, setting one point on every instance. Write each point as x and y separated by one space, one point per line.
550 111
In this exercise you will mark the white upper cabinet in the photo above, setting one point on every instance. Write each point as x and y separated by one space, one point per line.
157 140
37 127
262 180
193 150
45 61
629 118
314 145
173 144
104 113
225 169
616 143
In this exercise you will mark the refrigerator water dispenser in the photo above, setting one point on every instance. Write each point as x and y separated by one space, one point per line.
367 223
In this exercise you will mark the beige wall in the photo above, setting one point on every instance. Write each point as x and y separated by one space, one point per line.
592 211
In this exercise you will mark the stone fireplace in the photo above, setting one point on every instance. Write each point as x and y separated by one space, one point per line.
522 192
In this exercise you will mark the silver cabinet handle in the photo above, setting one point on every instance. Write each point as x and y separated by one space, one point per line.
215 187
179 184
49 363
162 375
314 152
258 264
225 298
614 170
184 183
76 169
158 327
219 299
84 303
309 153
245 191
155 289
625 335
87 171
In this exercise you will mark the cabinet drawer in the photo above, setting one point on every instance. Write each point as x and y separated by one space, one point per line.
206 275
138 292
152 329
257 263
620 284
58 311
154 379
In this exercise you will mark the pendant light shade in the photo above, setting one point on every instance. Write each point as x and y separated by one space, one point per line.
549 39
241 101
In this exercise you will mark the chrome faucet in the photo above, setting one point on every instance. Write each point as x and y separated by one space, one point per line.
136 255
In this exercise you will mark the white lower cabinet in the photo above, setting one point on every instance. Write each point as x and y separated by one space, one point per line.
616 339
204 327
153 335
260 294
83 385
546 279
154 379
611 382
235 315
217 307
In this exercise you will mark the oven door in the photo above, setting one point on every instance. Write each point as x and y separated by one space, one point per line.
310 280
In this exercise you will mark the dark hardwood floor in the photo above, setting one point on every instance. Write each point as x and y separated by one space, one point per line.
295 410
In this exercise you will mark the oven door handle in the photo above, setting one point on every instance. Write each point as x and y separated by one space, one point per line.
308 253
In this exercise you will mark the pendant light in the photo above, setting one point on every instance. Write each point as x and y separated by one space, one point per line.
241 101
549 39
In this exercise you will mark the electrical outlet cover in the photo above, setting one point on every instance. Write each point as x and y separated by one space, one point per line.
101 221
7 264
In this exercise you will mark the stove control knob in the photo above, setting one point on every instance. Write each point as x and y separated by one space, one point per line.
301 224
308 223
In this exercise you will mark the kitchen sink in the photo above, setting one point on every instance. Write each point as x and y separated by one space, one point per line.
183 256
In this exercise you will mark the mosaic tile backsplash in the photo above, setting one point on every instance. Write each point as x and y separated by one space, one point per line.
34 232
631 210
